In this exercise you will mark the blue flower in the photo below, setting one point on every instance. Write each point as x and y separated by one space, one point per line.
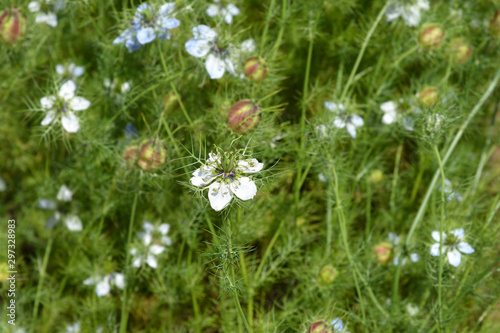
148 24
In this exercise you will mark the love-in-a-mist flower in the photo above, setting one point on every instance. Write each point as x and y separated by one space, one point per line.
449 192
205 44
103 284
64 196
148 24
409 10
225 175
61 107
453 245
45 10
226 12
391 115
349 121
153 240
70 71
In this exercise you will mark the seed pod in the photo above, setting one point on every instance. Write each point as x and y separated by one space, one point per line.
256 69
495 24
383 252
459 51
130 155
244 116
153 154
429 96
12 25
327 274
320 327
431 36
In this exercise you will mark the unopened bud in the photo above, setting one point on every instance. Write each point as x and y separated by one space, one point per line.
244 116
383 252
320 327
431 36
256 69
130 155
153 154
495 24
327 274
12 25
429 96
376 176
459 50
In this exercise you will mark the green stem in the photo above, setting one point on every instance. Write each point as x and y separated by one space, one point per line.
395 179
441 220
266 26
42 276
124 312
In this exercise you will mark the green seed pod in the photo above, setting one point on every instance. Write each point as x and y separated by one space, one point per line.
327 274
320 327
12 25
153 154
256 69
431 36
383 252
244 116
459 51
495 24
429 96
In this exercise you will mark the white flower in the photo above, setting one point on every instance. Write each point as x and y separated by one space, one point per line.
452 245
63 106
408 10
45 11
75 328
350 122
103 285
412 309
449 192
72 222
149 248
204 44
226 12
394 240
224 173
71 70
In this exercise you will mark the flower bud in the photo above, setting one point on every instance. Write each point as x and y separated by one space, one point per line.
383 252
429 96
320 327
431 36
495 24
130 155
376 176
459 51
327 274
256 69
12 25
153 154
244 116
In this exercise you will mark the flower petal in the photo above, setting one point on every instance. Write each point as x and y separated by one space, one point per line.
465 248
47 102
166 240
389 117
219 195
459 233
64 194
166 9
170 23
49 117
67 90
215 66
52 221
146 35
454 257
197 47
78 71
90 281
212 10
248 45
244 188
204 32
351 129
34 6
156 249
232 9
148 226
51 19
388 106
163 228
60 69
339 122
334 107
73 223
338 324
137 262
46 204
202 177
251 165
151 261
435 235
356 120
435 250
79 104
393 12
119 280
70 122
103 288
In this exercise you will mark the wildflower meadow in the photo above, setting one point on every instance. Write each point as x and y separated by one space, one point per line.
316 166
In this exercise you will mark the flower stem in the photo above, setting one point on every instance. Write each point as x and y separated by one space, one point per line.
441 220
42 276
124 312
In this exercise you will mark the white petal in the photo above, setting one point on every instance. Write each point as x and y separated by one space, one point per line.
90 281
465 248
34 6
156 249
232 9
230 66
356 120
248 45
414 257
393 238
73 223
244 188
392 12
60 69
212 10
51 19
435 236
204 32
321 131
125 87
215 66
331 106
388 106
227 17
408 123
119 280
435 250
339 122
459 233
70 122
47 102
202 178
49 117
219 195
46 204
338 324
102 288
250 166
79 104
78 71
170 23
454 257
166 240
67 90
423 4
148 226
147 239
389 117
146 35
163 228
151 261
197 47
137 262
167 8
411 16
351 129
64 194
